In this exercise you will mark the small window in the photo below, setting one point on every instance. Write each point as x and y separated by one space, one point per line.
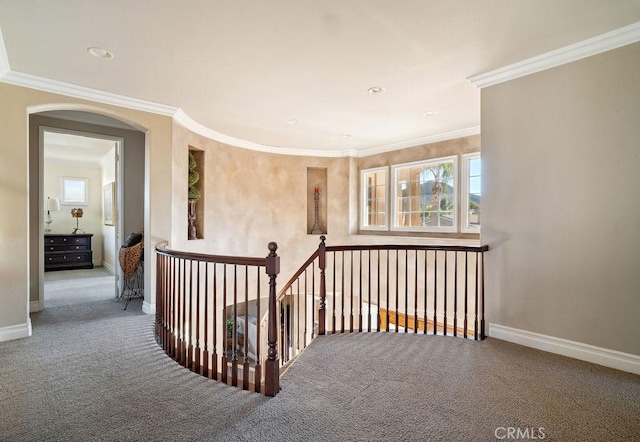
74 191
374 199
424 196
472 192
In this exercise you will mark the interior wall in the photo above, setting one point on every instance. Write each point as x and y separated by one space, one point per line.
108 232
560 156
252 198
91 221
21 227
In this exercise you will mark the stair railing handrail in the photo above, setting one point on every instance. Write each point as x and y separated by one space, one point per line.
166 336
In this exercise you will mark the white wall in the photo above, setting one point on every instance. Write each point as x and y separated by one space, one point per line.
561 201
108 164
91 221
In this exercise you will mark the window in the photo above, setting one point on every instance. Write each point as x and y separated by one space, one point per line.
425 196
74 191
374 199
472 192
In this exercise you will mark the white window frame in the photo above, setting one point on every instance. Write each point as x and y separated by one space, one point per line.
465 187
363 199
433 229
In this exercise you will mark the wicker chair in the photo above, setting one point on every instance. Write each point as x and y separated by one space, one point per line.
132 265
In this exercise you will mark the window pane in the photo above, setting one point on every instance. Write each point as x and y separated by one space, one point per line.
473 197
425 194
374 198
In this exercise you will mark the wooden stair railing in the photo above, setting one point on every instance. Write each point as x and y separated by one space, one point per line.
211 316
209 311
394 288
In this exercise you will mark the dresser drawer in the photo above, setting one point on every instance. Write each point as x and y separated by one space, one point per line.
58 248
67 257
67 241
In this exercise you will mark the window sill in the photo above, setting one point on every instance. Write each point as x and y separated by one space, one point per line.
432 235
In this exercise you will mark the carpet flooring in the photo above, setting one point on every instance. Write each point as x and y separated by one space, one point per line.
93 372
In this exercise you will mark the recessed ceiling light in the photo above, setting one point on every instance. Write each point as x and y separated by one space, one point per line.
293 121
99 52
430 113
346 135
376 90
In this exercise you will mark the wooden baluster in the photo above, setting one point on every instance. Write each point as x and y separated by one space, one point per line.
351 295
406 291
378 306
225 332
446 277
482 335
180 303
387 310
313 302
397 317
415 295
197 362
475 322
369 289
189 316
258 367
342 295
435 292
360 291
234 345
322 262
455 295
205 356
334 293
214 358
245 364
426 286
466 289
272 378
304 337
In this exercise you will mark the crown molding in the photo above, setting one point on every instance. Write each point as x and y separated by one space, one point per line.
586 48
86 93
182 118
475 130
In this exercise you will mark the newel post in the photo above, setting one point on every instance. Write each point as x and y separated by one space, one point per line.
322 259
272 371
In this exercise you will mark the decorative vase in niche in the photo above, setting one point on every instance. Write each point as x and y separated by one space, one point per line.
193 234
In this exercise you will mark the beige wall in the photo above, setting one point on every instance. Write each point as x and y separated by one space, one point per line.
561 157
252 198
21 218
91 221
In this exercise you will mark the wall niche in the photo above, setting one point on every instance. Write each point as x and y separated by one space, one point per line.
316 200
195 208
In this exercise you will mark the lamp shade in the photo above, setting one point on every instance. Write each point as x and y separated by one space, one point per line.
52 204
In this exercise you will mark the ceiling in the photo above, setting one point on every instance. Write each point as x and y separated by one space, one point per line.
292 74
60 146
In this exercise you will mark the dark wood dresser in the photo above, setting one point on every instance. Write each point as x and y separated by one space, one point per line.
67 251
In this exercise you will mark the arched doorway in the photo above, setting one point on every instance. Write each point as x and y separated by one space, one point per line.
127 175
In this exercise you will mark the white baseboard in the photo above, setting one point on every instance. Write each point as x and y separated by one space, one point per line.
109 267
578 350
148 308
36 306
15 331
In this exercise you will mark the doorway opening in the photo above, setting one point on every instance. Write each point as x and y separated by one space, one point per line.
90 202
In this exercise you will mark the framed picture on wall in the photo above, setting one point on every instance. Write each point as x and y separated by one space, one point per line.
108 204
74 191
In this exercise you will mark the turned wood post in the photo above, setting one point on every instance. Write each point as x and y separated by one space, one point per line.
322 262
272 371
